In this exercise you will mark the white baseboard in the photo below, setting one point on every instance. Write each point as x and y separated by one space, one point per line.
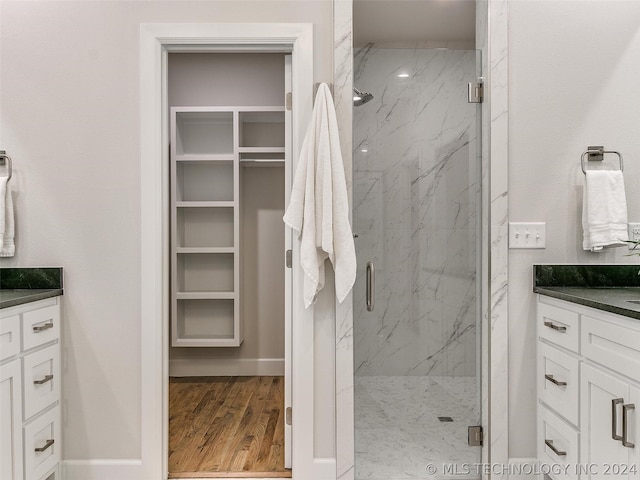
100 469
523 469
217 367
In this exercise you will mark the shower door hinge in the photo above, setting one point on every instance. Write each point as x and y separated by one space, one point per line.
475 436
476 92
288 258
287 415
289 100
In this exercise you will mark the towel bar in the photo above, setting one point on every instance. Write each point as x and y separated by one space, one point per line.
6 158
597 154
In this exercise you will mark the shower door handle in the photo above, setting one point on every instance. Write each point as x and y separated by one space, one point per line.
371 286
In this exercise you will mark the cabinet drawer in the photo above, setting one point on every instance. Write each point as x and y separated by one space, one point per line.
558 381
9 336
40 326
612 345
41 373
558 326
557 445
42 445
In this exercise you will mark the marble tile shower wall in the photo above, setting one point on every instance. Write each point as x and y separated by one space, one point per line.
415 201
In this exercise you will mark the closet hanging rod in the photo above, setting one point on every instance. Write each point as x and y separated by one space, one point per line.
596 154
4 158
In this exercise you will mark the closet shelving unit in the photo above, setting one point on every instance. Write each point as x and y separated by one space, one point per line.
209 147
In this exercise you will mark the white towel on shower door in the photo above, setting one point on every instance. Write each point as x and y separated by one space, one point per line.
7 225
604 210
319 206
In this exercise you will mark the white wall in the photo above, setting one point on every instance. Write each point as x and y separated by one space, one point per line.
69 103
573 82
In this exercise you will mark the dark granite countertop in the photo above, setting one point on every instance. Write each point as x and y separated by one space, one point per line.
609 299
11 298
611 288
29 284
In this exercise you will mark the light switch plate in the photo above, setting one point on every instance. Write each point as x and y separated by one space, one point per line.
527 235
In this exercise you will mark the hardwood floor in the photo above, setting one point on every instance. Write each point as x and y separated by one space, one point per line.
226 427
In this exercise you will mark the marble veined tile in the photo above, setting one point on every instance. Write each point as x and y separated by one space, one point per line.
398 433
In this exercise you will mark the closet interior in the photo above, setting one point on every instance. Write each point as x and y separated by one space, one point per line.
229 161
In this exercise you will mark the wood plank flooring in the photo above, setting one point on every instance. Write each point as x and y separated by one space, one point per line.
226 427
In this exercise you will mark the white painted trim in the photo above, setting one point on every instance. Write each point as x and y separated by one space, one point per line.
155 41
100 469
221 367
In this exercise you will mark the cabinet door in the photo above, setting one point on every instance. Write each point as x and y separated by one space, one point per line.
599 422
634 433
11 421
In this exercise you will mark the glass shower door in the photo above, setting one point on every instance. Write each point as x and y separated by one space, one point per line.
416 197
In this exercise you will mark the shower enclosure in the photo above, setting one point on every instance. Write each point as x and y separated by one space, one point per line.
416 214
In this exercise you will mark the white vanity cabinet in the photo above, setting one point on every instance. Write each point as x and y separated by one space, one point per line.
30 380
588 391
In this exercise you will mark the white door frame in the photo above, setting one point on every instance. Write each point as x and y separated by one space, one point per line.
156 40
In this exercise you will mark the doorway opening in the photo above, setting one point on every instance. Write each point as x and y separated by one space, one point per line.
229 290
417 177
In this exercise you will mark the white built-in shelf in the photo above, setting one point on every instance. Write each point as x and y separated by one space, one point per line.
208 147
205 158
205 295
195 204
261 150
187 250
262 162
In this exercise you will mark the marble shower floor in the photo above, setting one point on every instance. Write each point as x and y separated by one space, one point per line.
398 432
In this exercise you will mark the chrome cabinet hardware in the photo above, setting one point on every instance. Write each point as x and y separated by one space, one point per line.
43 327
549 443
371 286
555 327
625 424
554 381
46 445
614 418
47 378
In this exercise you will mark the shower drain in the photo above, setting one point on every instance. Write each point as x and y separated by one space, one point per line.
445 419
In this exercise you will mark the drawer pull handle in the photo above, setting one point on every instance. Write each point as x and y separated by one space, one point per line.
555 327
46 445
46 379
614 418
560 453
43 327
625 424
554 381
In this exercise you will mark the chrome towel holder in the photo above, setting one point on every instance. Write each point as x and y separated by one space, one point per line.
596 154
4 158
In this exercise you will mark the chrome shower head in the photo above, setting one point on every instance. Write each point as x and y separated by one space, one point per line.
360 98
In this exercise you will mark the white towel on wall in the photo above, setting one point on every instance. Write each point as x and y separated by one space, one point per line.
604 210
7 225
319 207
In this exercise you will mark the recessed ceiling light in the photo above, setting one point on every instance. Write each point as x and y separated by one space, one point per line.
356 98
403 75
364 150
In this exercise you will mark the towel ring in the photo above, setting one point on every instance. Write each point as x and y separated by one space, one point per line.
598 153
4 157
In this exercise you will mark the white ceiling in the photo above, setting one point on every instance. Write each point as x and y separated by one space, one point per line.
413 21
